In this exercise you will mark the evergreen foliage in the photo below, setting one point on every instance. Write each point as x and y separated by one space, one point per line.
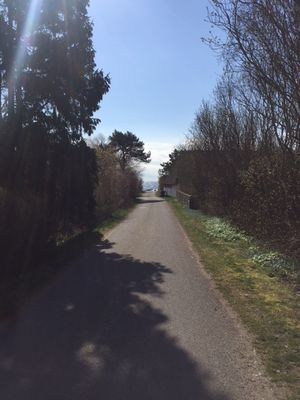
128 148
50 89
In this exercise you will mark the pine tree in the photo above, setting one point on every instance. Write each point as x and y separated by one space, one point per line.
128 148
48 69
50 89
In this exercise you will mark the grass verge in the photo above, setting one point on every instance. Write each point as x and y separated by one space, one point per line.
71 247
261 286
19 287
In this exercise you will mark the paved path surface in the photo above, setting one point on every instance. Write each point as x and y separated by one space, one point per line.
135 318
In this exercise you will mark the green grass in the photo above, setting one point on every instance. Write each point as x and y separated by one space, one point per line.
18 288
97 232
261 286
113 221
71 247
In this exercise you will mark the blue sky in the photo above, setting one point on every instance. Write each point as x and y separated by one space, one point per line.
159 67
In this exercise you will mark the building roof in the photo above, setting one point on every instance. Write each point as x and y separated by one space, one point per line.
169 180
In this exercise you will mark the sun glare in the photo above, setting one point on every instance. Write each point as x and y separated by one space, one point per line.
30 23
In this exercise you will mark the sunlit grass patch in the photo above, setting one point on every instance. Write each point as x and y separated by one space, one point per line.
275 263
260 284
220 229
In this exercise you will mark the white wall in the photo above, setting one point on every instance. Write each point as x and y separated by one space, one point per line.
171 191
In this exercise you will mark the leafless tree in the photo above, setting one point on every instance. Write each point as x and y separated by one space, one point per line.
262 49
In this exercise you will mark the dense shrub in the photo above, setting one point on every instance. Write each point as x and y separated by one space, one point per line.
270 201
46 188
262 197
116 187
24 230
241 159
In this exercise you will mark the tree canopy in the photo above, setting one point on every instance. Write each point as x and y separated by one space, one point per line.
49 76
261 52
128 148
50 89
242 155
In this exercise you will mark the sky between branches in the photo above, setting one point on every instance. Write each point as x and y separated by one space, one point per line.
159 67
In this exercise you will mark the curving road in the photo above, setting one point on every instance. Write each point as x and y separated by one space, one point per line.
135 318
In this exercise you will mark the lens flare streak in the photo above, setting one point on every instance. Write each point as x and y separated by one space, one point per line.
30 23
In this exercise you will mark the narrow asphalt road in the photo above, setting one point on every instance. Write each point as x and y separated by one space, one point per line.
135 318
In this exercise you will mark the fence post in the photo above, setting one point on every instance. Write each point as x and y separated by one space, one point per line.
183 198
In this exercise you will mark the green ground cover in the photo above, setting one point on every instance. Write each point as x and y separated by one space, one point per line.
261 285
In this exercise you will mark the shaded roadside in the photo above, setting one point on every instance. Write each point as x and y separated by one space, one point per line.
19 282
90 335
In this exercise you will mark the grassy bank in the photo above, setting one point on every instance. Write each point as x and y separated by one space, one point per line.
261 286
71 247
18 288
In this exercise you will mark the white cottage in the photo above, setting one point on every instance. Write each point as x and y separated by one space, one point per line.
169 184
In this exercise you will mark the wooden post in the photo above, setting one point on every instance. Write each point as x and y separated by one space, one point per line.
183 198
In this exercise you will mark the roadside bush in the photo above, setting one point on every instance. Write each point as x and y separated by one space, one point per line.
116 187
261 196
110 186
47 189
24 230
270 201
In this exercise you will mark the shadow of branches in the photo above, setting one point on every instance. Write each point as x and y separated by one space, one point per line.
90 334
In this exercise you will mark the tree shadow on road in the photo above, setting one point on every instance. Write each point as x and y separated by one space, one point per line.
144 200
92 335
